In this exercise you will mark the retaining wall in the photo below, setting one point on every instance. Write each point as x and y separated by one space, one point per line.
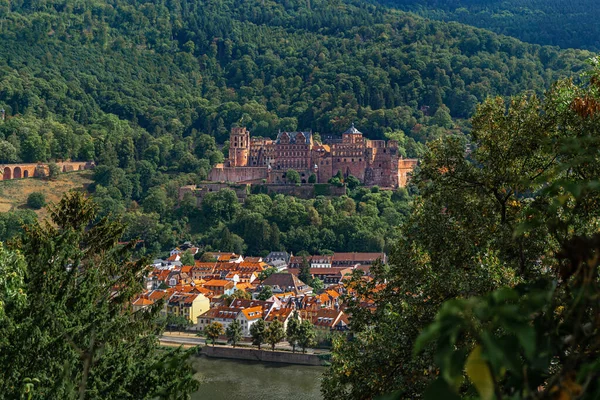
262 355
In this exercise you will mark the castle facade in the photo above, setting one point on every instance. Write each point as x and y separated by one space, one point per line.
256 159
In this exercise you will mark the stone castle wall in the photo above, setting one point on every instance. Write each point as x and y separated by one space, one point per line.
39 170
221 173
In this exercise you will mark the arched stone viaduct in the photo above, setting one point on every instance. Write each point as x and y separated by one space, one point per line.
31 170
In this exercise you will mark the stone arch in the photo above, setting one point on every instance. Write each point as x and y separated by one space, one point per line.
26 174
7 174
64 168
17 173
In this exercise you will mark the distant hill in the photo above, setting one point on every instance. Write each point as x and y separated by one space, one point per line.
564 23
73 69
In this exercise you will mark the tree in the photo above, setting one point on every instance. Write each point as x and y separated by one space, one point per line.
292 330
258 332
36 200
304 273
532 249
73 334
274 333
306 335
53 171
265 293
234 332
312 178
213 331
187 258
292 176
241 294
179 322
352 182
264 274
317 285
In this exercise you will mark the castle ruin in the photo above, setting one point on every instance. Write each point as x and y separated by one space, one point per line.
256 159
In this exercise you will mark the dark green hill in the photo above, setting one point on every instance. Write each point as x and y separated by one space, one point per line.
564 23
181 65
145 88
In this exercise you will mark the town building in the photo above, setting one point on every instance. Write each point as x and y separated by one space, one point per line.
281 283
188 305
352 259
258 160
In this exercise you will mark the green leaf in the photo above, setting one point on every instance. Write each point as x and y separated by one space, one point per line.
479 374
439 389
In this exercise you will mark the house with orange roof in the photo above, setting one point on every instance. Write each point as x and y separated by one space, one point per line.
186 269
201 270
245 286
266 305
248 317
188 305
282 314
141 303
220 286
222 315
174 257
225 257
253 259
327 319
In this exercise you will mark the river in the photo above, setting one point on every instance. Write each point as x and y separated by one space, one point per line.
223 379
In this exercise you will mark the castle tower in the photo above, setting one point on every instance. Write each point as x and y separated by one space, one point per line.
239 147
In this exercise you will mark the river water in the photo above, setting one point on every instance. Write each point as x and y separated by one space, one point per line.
223 379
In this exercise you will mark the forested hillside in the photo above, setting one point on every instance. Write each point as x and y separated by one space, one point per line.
564 23
149 90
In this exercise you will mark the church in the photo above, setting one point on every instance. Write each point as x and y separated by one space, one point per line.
259 160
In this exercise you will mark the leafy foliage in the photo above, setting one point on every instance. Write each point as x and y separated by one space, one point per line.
508 231
544 22
213 331
36 200
258 332
274 333
68 329
234 332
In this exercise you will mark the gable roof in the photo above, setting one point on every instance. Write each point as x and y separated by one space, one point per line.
282 314
358 258
285 282
252 313
293 136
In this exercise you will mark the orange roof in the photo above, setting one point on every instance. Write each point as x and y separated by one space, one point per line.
158 294
281 314
252 313
217 282
244 285
174 257
142 301
186 268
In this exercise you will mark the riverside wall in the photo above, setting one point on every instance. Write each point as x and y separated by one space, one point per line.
262 355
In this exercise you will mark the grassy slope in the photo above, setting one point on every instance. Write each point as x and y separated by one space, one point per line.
13 193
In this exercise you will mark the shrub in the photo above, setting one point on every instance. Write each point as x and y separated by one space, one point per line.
36 200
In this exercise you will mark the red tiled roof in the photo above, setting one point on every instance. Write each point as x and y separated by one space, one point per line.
359 258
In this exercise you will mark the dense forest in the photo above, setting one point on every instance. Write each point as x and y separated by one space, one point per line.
492 292
563 23
149 91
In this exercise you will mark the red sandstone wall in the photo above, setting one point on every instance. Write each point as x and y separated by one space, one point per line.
220 173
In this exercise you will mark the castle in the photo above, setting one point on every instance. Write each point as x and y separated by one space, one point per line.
256 159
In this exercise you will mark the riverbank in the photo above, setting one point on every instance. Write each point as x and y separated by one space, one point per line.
282 357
